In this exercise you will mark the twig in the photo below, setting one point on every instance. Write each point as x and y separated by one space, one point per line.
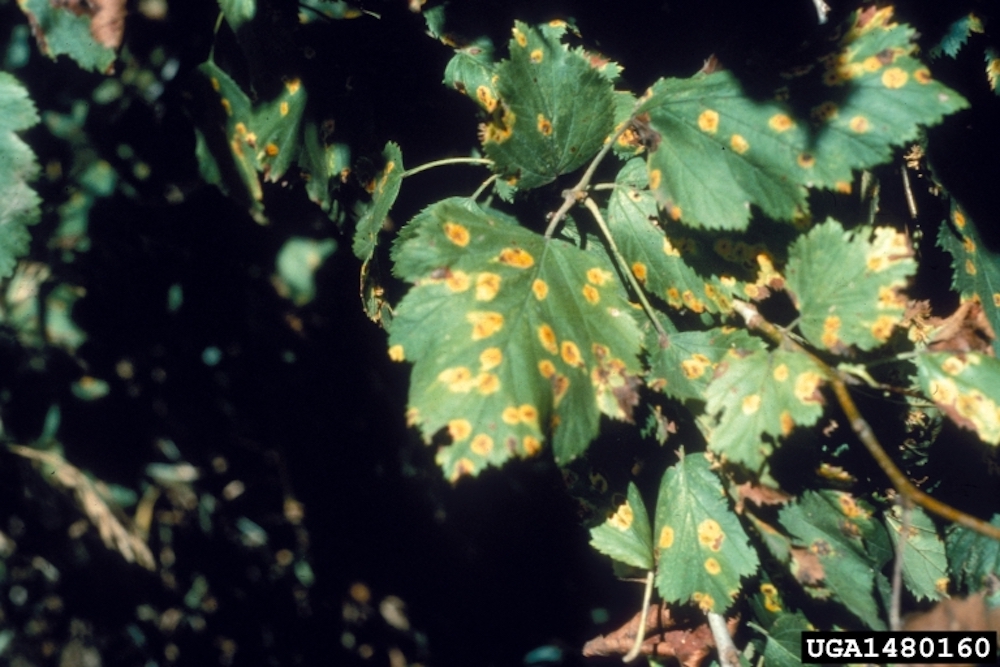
728 655
446 161
911 203
864 432
623 264
641 634
482 188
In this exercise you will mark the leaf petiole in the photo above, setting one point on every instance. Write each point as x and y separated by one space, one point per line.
446 161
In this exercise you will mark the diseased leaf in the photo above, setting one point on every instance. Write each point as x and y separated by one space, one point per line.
325 167
19 204
297 263
386 189
965 386
238 12
826 525
276 125
470 71
993 69
758 392
683 365
848 288
511 335
66 30
925 568
972 557
627 534
784 640
703 551
555 109
956 36
876 93
976 268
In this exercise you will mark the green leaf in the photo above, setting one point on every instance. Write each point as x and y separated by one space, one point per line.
19 204
993 69
511 335
972 557
718 151
653 258
627 534
470 71
758 392
238 12
925 567
965 386
310 10
683 365
825 524
848 288
297 263
384 195
555 110
58 31
703 551
324 166
276 125
956 36
976 268
784 640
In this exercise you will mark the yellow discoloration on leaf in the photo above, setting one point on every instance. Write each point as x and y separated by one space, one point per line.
655 175
859 124
922 76
882 328
486 98
666 538
599 276
463 467
780 122
710 534
806 161
519 258
510 415
669 249
894 77
849 506
487 383
708 121
227 106
396 353
528 414
674 296
484 323
780 372
843 187
970 268
413 417
787 423
482 444
639 271
536 56
548 338
532 445
623 518
871 64
968 244
458 379
982 411
490 358
487 286
544 125
953 365
695 366
520 38
571 353
283 108
889 247
831 327
739 144
293 86
560 385
806 385
540 288
772 601
959 218
825 112
996 299
751 404
692 302
943 391
591 294
704 601
712 566
215 84
546 368
457 234
457 281
459 429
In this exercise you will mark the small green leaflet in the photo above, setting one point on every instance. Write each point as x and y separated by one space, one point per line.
297 263
847 288
784 640
511 336
956 36
711 133
386 189
18 165
683 365
652 258
925 568
555 110
238 12
58 31
826 524
324 165
703 551
627 535
470 72
976 268
965 386
755 392
972 557
276 125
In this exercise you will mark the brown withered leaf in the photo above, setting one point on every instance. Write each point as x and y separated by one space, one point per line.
759 495
806 567
666 637
107 18
965 330
956 614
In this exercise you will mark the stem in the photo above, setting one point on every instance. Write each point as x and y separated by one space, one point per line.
623 265
445 161
864 432
895 623
728 655
482 188
640 635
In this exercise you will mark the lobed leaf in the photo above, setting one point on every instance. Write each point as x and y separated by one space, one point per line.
555 109
683 365
511 335
238 12
471 72
755 392
848 288
965 386
925 567
385 190
703 550
976 268
19 204
59 30
784 640
627 534
956 36
717 151
972 557
276 124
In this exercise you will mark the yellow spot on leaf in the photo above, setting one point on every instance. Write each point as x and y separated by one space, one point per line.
708 121
227 106
639 271
772 602
666 537
692 302
824 112
655 175
943 391
669 249
528 413
894 77
487 286
848 506
787 423
694 367
488 383
705 601
510 415
544 125
968 244
560 385
806 161
548 338
591 294
283 108
751 404
843 187
922 76
872 64
396 353
622 519
532 445
482 444
457 379
859 124
486 98
484 323
882 328
806 385
739 144
456 233
959 219
463 467
546 368
490 358
599 276
712 566
516 257
293 85
953 365
215 84
780 122
710 534
571 353
780 372
831 325
536 56
970 268
674 297
457 281
459 429
540 288
996 299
